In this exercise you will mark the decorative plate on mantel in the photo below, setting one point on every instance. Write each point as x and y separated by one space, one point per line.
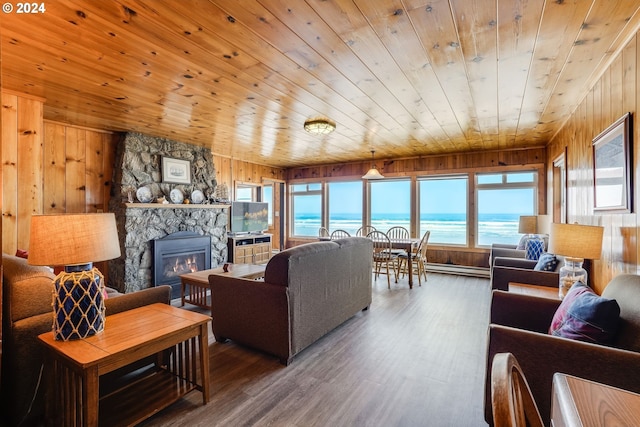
197 197
176 196
144 194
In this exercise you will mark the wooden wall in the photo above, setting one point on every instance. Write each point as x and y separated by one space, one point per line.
231 171
486 161
48 167
615 93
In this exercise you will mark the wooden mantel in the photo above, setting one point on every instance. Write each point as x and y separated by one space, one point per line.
174 206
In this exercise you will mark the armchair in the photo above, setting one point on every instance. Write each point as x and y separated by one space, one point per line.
519 324
521 270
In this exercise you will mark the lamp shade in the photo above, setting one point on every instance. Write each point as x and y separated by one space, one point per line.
70 239
576 240
372 173
528 224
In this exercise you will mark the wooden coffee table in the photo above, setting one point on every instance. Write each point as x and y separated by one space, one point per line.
197 283
177 338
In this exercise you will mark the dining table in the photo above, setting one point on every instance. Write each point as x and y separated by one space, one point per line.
407 245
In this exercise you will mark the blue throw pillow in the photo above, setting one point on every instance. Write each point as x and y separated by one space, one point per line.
534 248
585 316
546 262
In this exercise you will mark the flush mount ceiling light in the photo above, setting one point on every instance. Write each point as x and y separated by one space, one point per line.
373 172
319 126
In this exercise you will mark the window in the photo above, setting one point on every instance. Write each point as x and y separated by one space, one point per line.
345 206
267 196
390 204
443 209
501 199
306 209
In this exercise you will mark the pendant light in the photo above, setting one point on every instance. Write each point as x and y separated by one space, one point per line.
372 173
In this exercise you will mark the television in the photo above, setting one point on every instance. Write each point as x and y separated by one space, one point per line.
249 217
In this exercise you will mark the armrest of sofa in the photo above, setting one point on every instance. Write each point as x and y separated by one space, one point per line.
251 312
522 311
527 264
503 275
123 302
542 355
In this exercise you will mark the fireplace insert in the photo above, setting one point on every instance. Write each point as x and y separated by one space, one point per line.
179 253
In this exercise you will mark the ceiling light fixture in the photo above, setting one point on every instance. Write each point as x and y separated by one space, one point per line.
372 173
319 126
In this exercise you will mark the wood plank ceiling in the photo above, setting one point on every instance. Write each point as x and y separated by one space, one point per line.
403 77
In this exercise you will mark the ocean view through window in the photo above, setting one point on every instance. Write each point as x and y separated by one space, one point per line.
441 206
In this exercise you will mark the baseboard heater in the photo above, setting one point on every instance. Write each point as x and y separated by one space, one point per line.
462 270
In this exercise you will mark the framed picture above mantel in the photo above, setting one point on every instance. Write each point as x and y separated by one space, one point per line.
176 171
612 167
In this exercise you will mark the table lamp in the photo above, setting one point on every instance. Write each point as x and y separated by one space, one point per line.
528 224
575 242
75 241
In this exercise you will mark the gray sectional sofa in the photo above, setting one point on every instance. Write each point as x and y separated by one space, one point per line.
308 290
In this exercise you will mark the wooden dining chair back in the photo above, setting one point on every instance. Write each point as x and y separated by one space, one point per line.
418 259
511 398
323 232
339 234
398 233
383 256
364 230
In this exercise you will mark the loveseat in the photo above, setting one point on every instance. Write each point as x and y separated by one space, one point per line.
27 313
307 291
519 325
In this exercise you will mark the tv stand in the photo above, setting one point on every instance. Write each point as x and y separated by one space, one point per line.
249 248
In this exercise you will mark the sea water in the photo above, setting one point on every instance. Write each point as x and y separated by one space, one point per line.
445 228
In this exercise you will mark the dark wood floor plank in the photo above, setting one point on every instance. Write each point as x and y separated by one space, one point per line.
416 358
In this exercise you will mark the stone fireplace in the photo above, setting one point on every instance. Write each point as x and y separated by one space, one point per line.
138 163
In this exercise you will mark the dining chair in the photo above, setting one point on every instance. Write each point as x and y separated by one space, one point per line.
383 256
339 234
398 233
511 398
418 259
323 233
364 230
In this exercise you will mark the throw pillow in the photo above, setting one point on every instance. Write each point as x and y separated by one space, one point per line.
522 242
21 253
534 248
546 262
585 316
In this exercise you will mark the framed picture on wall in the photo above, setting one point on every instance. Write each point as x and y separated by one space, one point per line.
176 171
612 167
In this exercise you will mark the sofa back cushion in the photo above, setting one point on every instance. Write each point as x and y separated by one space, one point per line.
277 269
27 288
625 288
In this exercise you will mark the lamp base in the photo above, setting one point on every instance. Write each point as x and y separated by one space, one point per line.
570 273
78 302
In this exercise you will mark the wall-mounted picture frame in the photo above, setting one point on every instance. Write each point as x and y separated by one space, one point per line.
176 171
612 167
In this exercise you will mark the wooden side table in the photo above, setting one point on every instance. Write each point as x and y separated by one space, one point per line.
179 340
579 402
194 286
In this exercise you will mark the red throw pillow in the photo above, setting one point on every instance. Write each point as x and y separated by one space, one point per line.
585 316
21 253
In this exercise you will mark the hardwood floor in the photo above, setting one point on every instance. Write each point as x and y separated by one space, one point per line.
416 358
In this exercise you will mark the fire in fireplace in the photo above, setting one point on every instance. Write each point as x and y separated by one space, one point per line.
179 253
